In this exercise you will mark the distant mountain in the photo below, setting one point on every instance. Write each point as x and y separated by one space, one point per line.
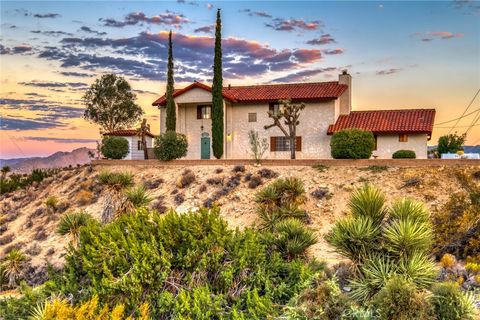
467 149
56 160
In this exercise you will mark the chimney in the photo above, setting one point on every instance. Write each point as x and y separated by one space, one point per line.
229 86
346 97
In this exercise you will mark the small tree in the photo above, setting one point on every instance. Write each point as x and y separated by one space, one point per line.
451 143
352 144
289 113
5 170
171 118
114 147
13 266
217 96
170 146
257 146
111 103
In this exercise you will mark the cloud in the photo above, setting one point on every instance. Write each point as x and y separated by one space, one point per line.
304 75
89 30
469 6
167 18
324 39
192 3
48 84
8 123
75 74
333 51
209 6
280 24
52 33
61 140
23 48
430 36
388 71
251 13
206 29
46 15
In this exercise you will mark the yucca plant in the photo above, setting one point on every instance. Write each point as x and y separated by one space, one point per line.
271 216
368 201
354 237
292 238
115 182
408 208
419 268
71 223
406 236
138 197
282 192
13 265
450 303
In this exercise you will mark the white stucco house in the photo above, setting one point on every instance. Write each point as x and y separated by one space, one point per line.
328 110
135 146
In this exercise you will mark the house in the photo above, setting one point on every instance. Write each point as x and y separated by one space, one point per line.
328 110
135 146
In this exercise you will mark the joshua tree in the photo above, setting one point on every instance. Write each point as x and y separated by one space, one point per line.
289 113
171 118
142 132
13 264
217 97
116 183
71 223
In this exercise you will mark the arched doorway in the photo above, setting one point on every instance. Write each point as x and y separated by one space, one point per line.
205 146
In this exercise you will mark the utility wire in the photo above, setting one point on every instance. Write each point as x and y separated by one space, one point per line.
465 115
465 111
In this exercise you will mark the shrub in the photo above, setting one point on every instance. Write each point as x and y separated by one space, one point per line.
218 170
186 179
138 197
271 217
116 180
153 184
448 261
170 145
400 300
202 188
179 199
238 168
33 250
51 202
282 193
451 143
13 265
40 234
84 197
375 168
159 205
267 173
352 144
71 223
292 239
412 182
215 181
320 167
6 239
404 154
449 302
321 193
254 181
114 147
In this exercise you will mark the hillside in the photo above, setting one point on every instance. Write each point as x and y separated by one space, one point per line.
59 159
29 224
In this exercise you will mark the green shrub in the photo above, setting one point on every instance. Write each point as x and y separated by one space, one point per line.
292 238
404 154
271 216
71 223
116 180
400 300
170 145
51 202
450 303
114 147
282 193
352 144
138 196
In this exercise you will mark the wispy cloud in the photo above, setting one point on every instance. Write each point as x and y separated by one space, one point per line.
46 15
430 36
206 29
52 33
324 39
61 140
75 74
303 75
252 13
166 18
388 71
281 24
89 30
23 48
333 51
53 84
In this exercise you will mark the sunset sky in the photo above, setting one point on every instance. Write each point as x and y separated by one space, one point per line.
400 55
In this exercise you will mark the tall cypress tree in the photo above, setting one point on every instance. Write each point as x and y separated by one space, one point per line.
171 115
217 98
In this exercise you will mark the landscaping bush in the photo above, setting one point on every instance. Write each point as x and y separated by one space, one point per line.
254 181
352 144
84 197
186 179
170 145
138 197
238 168
114 147
267 173
404 154
450 303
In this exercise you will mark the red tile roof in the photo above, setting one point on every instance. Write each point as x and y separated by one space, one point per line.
387 121
270 92
126 133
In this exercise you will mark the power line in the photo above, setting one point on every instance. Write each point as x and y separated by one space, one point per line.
465 111
476 125
465 115
473 123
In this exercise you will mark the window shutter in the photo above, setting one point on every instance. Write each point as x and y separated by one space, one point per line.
298 143
199 112
273 143
270 107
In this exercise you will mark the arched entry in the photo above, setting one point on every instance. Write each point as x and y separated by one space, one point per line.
205 146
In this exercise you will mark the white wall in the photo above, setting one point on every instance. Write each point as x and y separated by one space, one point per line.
133 152
388 144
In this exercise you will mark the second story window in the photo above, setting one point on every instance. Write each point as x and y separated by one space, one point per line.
274 107
252 117
204 111
403 137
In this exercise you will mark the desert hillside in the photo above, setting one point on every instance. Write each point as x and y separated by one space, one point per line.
30 216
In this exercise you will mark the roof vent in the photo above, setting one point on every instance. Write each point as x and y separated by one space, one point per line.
344 71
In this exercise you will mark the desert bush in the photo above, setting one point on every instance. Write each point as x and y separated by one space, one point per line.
404 154
448 261
321 193
215 181
177 264
255 181
3 228
116 180
138 197
114 147
179 199
51 203
476 175
238 168
170 145
84 197
401 300
320 167
202 188
186 179
62 206
13 264
159 205
17 181
291 238
71 223
271 217
375 168
412 182
33 250
267 173
450 303
153 184
50 251
352 144
282 193
40 234
6 239
218 170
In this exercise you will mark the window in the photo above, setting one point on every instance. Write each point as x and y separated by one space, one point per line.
376 142
283 144
252 117
139 145
204 112
274 107
403 137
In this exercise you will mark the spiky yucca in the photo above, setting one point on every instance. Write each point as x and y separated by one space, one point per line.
405 236
368 201
292 238
282 192
138 196
71 223
12 266
270 217
116 182
408 208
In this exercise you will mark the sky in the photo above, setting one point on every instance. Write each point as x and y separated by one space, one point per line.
400 55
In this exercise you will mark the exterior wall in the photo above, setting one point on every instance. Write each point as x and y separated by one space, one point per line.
388 144
346 97
188 124
133 152
195 95
163 119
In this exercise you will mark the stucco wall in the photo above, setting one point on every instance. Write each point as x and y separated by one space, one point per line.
133 152
388 144
188 124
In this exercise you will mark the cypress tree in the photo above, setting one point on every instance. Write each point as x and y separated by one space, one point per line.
217 98
171 115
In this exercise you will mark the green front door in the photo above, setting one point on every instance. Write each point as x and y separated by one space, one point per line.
205 149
